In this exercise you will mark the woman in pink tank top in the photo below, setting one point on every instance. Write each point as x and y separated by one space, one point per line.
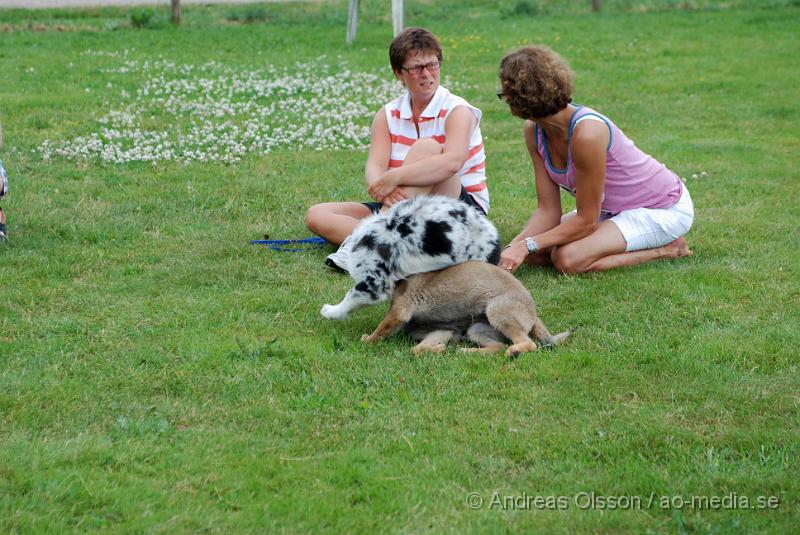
630 207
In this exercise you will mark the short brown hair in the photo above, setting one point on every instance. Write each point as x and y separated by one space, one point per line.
535 82
412 40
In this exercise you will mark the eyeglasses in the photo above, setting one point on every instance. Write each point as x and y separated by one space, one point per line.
416 70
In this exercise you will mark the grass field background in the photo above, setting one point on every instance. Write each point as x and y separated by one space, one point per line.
157 373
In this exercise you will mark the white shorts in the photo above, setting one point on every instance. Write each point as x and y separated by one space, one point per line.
648 228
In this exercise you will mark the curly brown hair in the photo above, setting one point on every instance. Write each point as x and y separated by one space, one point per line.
535 82
412 40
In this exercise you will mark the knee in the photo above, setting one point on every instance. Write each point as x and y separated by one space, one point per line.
428 144
568 260
316 217
424 148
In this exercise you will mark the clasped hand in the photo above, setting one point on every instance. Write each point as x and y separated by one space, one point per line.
382 187
513 256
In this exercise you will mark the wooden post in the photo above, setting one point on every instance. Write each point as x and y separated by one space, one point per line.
352 21
176 12
352 18
595 5
397 16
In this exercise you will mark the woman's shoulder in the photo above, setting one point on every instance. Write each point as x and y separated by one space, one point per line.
530 131
450 101
396 103
588 128
585 114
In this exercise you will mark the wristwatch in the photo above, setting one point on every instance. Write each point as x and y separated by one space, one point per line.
531 245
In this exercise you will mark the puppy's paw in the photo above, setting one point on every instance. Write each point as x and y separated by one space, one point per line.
332 312
517 349
490 348
428 348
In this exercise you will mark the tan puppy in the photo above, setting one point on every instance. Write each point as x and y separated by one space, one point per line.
474 300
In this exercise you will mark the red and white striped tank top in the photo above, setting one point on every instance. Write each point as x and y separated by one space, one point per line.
431 124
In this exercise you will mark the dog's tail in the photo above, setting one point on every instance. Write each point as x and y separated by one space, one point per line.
547 340
560 338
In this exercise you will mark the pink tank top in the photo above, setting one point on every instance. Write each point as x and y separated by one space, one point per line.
633 179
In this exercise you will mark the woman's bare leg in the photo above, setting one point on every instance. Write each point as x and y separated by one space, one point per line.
335 221
675 249
605 249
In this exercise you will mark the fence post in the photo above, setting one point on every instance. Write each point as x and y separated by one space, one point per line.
397 16
176 12
352 21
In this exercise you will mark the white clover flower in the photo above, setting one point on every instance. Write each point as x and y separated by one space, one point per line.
219 113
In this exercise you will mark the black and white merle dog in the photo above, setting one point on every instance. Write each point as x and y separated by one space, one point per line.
427 233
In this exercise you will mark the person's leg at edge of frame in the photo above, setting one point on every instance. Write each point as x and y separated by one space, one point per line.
3 191
2 225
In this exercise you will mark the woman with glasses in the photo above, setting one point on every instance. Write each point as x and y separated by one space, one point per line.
630 207
427 141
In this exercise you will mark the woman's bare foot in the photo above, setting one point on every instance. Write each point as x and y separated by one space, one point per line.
676 249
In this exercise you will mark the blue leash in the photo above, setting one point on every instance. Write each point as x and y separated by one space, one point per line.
291 246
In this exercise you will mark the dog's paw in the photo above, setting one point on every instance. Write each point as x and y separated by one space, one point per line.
332 312
489 348
428 348
366 338
517 349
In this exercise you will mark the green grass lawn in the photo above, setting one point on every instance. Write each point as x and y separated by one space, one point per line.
159 374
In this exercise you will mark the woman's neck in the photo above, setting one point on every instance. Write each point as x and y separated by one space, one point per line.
556 126
419 105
